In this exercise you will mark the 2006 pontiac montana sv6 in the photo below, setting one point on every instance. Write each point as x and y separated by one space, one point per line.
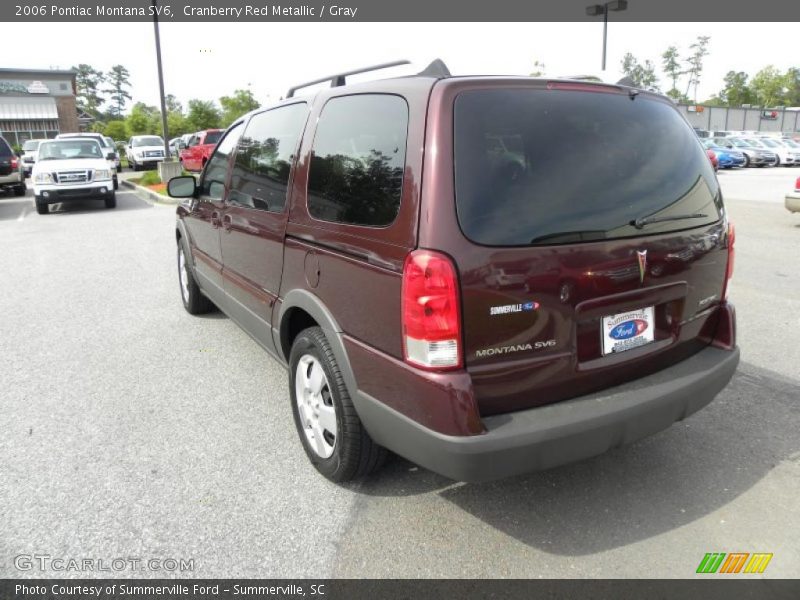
484 275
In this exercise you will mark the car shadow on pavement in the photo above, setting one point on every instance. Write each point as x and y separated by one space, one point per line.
639 491
125 201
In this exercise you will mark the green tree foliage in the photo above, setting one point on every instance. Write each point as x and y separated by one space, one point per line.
768 86
793 87
143 120
694 64
118 80
88 81
202 115
670 63
116 130
643 75
233 107
736 91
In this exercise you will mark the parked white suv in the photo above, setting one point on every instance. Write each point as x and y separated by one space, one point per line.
71 169
145 150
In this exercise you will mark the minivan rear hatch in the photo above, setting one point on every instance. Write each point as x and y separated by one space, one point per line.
596 239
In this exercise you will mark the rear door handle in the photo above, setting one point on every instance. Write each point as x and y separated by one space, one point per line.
226 223
215 220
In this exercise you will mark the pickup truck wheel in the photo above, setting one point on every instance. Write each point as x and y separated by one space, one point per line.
116 183
332 435
193 299
41 207
111 201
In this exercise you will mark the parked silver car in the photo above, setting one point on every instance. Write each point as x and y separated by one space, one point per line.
756 156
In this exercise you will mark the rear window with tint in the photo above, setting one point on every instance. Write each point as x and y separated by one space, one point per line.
213 137
563 166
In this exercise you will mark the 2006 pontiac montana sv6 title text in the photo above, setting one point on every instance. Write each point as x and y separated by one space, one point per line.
485 275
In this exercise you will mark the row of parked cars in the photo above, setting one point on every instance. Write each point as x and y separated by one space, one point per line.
726 150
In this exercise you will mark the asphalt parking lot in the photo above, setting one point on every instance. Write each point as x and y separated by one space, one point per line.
131 429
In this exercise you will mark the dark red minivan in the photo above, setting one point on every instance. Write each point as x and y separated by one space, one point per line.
484 275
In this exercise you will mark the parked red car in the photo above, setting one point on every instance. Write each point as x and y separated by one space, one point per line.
480 309
199 148
712 156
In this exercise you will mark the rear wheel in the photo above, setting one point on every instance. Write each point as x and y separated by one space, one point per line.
20 189
41 206
332 435
193 299
746 161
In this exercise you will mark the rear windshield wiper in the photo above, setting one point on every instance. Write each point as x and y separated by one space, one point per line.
642 221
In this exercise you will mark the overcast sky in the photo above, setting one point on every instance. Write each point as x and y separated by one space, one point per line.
207 60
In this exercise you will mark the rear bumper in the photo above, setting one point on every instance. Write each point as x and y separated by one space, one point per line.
792 202
560 433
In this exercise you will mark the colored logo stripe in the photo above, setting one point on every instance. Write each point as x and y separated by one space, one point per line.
734 563
758 562
711 562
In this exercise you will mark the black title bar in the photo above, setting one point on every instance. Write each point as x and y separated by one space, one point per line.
395 10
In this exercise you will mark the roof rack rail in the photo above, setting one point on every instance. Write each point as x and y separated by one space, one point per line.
339 79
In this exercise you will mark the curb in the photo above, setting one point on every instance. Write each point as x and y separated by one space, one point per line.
149 196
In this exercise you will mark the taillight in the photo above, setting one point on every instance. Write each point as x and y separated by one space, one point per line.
797 185
731 257
14 163
430 311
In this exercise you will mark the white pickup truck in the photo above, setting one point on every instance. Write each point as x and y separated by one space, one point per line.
71 169
144 151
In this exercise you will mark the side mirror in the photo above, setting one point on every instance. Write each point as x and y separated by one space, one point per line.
184 186
111 156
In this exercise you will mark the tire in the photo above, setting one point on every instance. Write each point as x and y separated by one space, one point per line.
111 201
777 161
746 161
42 207
348 452
116 183
193 299
20 189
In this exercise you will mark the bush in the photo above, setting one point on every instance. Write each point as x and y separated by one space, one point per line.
150 178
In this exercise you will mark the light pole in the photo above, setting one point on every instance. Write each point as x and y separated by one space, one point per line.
602 9
161 83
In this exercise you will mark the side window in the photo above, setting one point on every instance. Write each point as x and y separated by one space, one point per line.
213 183
358 158
264 158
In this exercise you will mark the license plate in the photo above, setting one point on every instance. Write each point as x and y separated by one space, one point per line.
628 330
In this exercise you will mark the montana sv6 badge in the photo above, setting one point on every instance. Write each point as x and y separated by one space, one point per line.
515 348
513 308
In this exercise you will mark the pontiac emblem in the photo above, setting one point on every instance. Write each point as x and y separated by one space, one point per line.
642 256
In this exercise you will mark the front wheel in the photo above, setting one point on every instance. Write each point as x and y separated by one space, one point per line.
330 430
193 299
111 201
41 206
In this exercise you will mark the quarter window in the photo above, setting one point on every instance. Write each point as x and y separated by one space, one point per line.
264 158
358 158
